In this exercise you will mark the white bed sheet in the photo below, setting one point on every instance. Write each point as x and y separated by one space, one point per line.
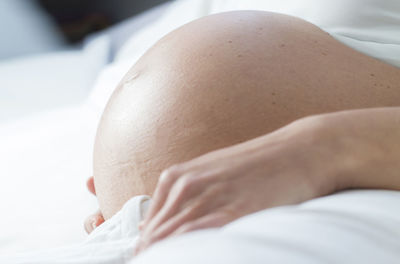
46 135
359 226
45 160
46 155
46 150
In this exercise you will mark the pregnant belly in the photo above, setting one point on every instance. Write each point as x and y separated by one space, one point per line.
262 63
221 80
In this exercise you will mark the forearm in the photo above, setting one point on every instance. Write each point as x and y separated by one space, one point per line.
368 142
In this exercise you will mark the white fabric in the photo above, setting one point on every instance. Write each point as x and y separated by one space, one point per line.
113 242
105 84
349 227
45 161
38 83
46 155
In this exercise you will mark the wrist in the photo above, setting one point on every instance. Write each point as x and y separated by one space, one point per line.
342 153
363 148
323 161
338 156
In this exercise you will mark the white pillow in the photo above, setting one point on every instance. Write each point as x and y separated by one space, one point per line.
42 82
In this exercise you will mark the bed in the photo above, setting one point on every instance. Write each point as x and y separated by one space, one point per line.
46 137
46 152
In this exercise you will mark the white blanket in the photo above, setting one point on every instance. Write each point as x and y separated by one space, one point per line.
349 227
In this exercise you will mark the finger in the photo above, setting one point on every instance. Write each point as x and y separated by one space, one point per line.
164 225
93 221
90 185
180 197
148 235
169 209
167 179
165 229
213 220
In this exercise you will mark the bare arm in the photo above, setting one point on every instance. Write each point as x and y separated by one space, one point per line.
311 157
370 142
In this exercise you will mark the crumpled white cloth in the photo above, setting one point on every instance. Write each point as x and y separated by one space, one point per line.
360 226
111 243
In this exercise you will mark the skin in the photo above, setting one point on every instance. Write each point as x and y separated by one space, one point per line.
223 80
311 157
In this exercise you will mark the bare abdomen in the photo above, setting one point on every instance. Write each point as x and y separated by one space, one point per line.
222 80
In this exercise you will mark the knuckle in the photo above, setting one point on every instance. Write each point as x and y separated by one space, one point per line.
170 174
185 184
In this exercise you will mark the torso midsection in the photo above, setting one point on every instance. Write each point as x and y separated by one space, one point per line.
222 80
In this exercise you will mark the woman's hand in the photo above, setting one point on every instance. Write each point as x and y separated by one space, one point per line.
311 157
288 166
95 219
